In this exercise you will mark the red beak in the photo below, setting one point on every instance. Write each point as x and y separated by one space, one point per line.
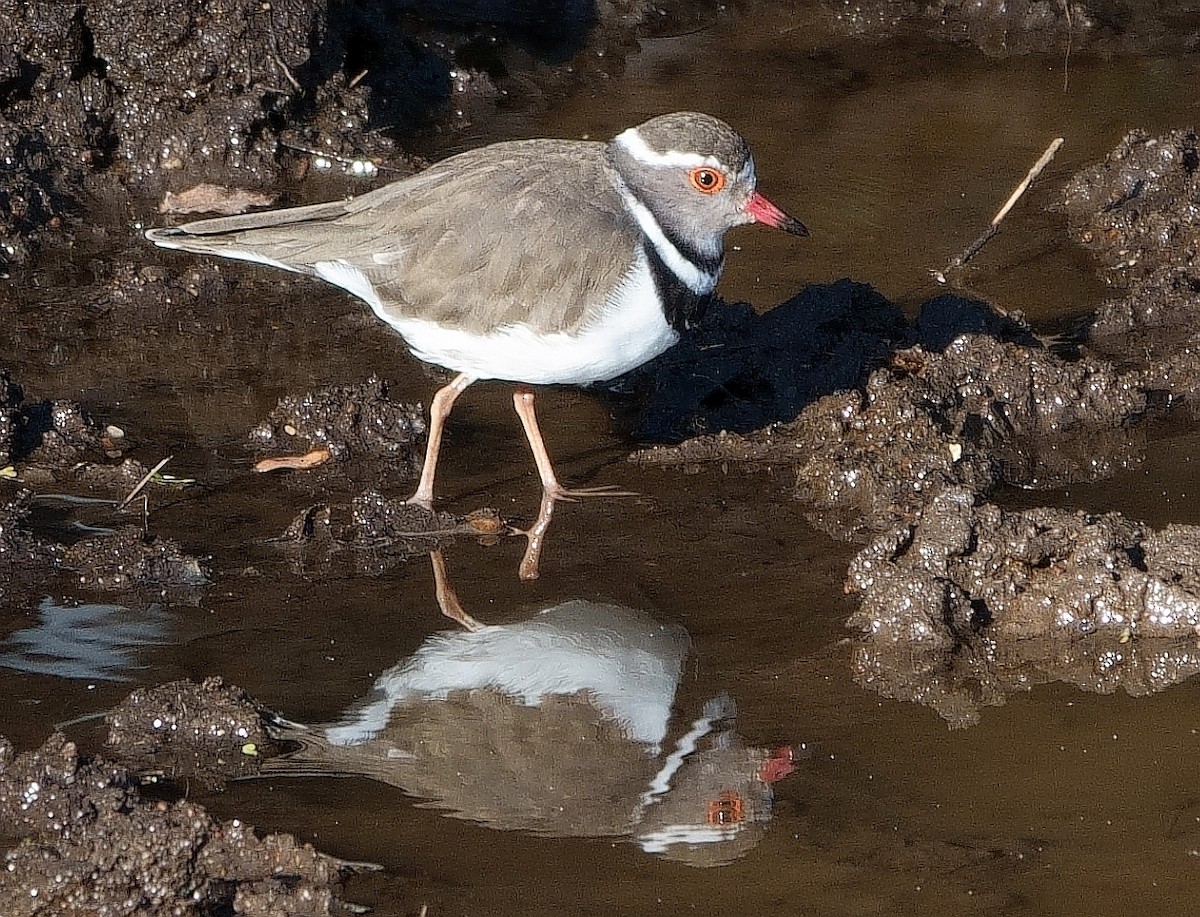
781 763
762 210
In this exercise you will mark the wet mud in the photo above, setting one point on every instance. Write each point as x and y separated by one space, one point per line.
970 604
1135 212
371 533
959 599
104 102
336 426
55 444
94 843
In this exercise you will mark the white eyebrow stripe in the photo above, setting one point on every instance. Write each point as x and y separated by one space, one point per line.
632 143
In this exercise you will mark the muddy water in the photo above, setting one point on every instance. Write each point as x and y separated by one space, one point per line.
1059 802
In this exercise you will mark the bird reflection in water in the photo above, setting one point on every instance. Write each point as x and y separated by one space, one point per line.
563 725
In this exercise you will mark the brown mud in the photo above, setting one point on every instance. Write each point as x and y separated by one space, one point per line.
94 843
942 471
908 460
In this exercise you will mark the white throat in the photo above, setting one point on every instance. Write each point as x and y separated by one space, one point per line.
695 278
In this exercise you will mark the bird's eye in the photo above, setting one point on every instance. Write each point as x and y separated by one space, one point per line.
727 809
706 180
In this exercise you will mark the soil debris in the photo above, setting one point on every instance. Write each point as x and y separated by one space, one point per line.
969 603
52 433
209 732
373 533
58 443
348 422
130 558
91 844
1136 211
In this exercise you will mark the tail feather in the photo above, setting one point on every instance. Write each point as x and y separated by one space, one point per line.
247 222
252 236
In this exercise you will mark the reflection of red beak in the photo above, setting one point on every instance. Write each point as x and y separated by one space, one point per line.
763 211
779 765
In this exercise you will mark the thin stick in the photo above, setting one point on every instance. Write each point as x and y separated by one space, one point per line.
1028 180
344 160
1066 4
143 482
994 226
287 74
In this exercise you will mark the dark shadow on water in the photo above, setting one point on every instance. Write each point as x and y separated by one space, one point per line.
739 371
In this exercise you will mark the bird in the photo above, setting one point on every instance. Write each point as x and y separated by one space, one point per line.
535 262
567 723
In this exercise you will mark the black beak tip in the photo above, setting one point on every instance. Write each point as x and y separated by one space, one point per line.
795 227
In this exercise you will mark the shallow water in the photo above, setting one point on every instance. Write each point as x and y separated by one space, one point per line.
1059 802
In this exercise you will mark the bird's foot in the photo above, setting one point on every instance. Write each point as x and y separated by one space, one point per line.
536 534
422 500
574 494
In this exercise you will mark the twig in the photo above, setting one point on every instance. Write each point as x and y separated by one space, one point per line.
994 227
287 74
1028 180
143 482
1070 35
334 157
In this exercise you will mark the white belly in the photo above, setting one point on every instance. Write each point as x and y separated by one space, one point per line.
629 332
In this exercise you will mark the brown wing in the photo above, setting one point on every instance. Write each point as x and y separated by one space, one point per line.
529 231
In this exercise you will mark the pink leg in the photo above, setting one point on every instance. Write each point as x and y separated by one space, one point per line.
523 402
439 410
536 535
551 489
447 598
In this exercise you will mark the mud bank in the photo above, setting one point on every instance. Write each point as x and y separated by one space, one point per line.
962 602
92 841
971 603
102 101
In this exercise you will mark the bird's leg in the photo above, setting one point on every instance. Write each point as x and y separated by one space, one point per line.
536 535
447 598
552 491
439 410
523 402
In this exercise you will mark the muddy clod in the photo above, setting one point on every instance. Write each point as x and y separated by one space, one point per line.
1136 211
970 603
130 558
980 412
347 421
373 533
92 845
189 731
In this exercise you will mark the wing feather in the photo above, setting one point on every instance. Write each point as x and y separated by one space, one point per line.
526 232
